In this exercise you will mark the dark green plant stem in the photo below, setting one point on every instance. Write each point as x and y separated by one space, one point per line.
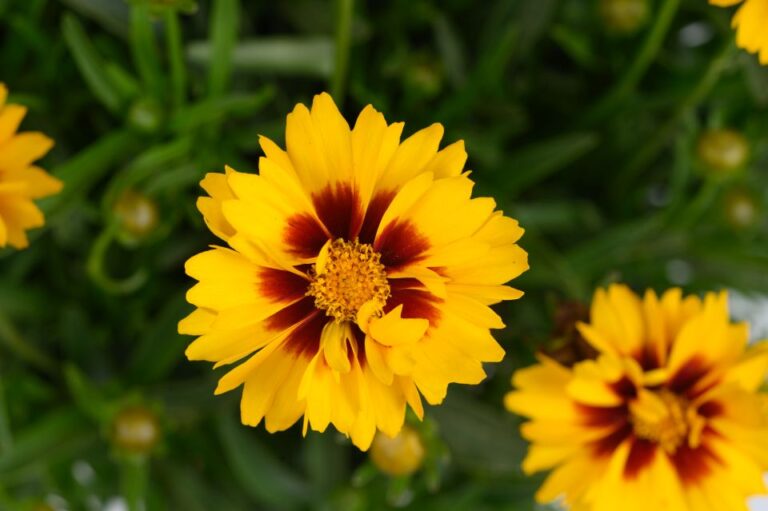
133 482
344 10
95 266
12 340
176 58
643 60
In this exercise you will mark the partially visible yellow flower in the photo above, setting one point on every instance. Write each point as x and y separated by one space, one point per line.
20 181
358 275
668 416
751 24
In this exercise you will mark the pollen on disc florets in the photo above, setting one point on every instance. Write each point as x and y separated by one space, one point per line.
346 276
672 430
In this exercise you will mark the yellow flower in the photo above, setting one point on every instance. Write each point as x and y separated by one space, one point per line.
750 22
667 417
20 181
358 276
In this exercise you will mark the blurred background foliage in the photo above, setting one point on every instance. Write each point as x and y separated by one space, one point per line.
629 138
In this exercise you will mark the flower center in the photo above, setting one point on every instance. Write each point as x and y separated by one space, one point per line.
663 419
345 277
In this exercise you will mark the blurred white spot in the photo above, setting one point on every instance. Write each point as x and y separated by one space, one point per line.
695 34
116 504
83 472
657 196
752 309
759 503
679 272
57 502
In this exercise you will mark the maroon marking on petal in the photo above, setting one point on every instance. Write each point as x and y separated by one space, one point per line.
686 378
400 243
608 444
641 454
305 340
648 358
625 388
711 409
694 464
340 209
376 209
417 303
359 339
292 314
304 236
279 285
600 416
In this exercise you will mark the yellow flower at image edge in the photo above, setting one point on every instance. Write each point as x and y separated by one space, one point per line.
668 416
358 275
20 181
751 24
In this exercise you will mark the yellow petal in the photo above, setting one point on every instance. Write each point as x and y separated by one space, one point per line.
392 329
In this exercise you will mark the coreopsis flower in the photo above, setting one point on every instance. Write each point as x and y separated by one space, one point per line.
357 278
21 182
750 22
668 416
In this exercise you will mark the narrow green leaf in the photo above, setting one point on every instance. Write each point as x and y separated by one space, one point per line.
113 16
344 11
90 64
161 347
310 56
540 160
217 109
261 475
83 170
176 58
480 437
145 52
223 34
57 433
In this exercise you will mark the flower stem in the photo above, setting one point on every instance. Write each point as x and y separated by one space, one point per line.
643 60
175 57
133 482
344 9
13 341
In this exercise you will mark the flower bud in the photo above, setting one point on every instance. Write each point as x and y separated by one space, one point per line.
135 430
137 215
723 151
741 208
399 456
624 16
145 116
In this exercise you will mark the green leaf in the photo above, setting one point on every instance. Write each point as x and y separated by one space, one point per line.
310 56
261 475
111 15
145 52
480 437
223 32
540 160
83 170
58 434
90 64
216 109
161 347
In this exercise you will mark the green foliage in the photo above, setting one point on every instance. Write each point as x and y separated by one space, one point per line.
587 136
